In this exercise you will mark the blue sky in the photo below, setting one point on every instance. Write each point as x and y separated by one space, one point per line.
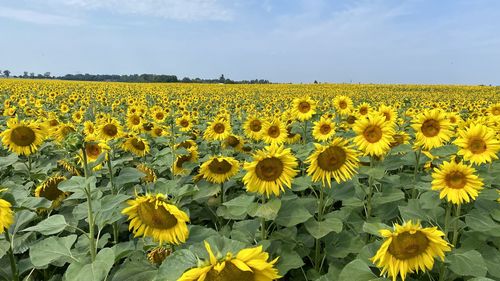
368 41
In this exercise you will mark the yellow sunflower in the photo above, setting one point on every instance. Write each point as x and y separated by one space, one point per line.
274 131
494 109
233 141
323 129
248 264
432 129
389 113
478 144
109 129
374 134
271 168
152 216
292 138
409 248
136 145
88 129
6 215
134 122
364 109
150 175
253 127
192 156
62 131
49 190
304 108
343 104
23 137
338 160
457 182
219 169
184 123
217 130
93 149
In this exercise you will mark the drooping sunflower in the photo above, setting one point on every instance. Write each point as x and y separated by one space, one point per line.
6 215
150 175
136 145
217 130
457 182
109 129
219 169
274 131
192 156
409 248
478 144
323 129
49 190
62 131
374 134
153 216
338 160
248 264
432 129
343 104
253 127
23 137
304 108
93 149
272 168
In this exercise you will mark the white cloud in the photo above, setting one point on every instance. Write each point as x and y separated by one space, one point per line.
36 17
183 10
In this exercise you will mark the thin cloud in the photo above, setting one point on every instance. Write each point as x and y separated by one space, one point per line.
35 17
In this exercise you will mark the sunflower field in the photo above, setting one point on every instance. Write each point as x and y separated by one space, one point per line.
122 181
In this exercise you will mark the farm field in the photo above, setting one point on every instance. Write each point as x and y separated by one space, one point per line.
130 181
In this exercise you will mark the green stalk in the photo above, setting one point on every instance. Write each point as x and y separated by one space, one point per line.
305 132
442 272
114 192
12 258
370 193
415 172
221 193
89 202
317 254
455 225
263 230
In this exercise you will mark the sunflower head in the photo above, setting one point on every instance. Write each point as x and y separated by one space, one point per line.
457 182
432 129
478 144
274 131
218 129
136 145
304 108
323 129
6 215
374 134
50 191
219 169
23 137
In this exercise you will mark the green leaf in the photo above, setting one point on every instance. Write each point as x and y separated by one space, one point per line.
301 183
174 265
375 172
51 225
288 260
356 270
4 247
268 211
374 227
387 196
136 271
8 160
445 150
96 271
236 208
128 175
469 263
291 214
52 249
111 209
319 229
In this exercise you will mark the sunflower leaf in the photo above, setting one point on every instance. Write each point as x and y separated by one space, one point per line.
51 225
469 263
52 249
319 229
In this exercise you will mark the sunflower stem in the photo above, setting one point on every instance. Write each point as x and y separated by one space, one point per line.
13 264
317 254
447 220
263 230
114 192
221 193
415 172
455 225
29 166
370 193
88 193
305 132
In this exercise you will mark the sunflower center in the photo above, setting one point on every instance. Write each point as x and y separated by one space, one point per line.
219 167
398 139
351 119
332 158
23 136
453 119
147 126
496 110
229 273
183 159
93 150
325 129
431 128
477 145
343 104
456 180
219 128
110 130
269 169
184 123
255 125
232 141
304 107
51 192
372 133
406 245
138 144
135 120
387 116
273 131
160 115
156 217
363 110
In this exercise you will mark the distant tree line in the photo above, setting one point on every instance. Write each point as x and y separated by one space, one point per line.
136 78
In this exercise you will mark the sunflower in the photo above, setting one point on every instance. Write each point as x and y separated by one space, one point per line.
6 215
234 142
478 144
192 156
49 190
253 127
364 109
88 129
398 138
158 115
457 182
304 108
323 129
187 144
343 104
184 123
338 160
248 264
23 137
389 113
219 129
432 129
93 149
134 122
62 131
292 137
494 109
136 145
219 169
69 167
274 131
409 248
374 134
109 129
150 175
159 130
271 168
152 216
